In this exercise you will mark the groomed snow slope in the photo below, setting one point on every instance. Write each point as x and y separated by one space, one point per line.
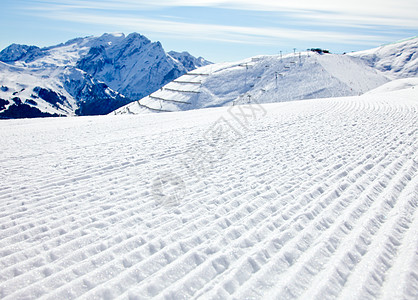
265 79
307 199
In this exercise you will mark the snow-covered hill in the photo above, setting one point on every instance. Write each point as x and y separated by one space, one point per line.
395 85
398 60
95 75
306 199
264 79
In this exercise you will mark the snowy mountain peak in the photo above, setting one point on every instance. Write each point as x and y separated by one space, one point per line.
133 65
138 37
16 52
96 74
105 39
189 61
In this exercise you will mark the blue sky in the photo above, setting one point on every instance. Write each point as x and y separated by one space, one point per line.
219 30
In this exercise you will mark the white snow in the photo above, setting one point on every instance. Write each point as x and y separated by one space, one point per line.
398 60
305 199
20 82
265 79
395 85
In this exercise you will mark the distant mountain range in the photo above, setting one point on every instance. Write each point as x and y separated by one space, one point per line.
121 74
86 76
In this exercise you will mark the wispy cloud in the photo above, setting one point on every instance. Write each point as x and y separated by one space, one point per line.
224 33
353 20
400 13
269 23
366 11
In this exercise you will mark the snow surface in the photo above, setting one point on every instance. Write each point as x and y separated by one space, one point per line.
395 85
398 60
265 79
306 199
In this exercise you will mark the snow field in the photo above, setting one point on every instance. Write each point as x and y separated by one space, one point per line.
307 199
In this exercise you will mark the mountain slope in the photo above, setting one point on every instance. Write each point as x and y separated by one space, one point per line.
17 52
134 66
189 61
96 75
264 79
300 200
54 91
399 60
